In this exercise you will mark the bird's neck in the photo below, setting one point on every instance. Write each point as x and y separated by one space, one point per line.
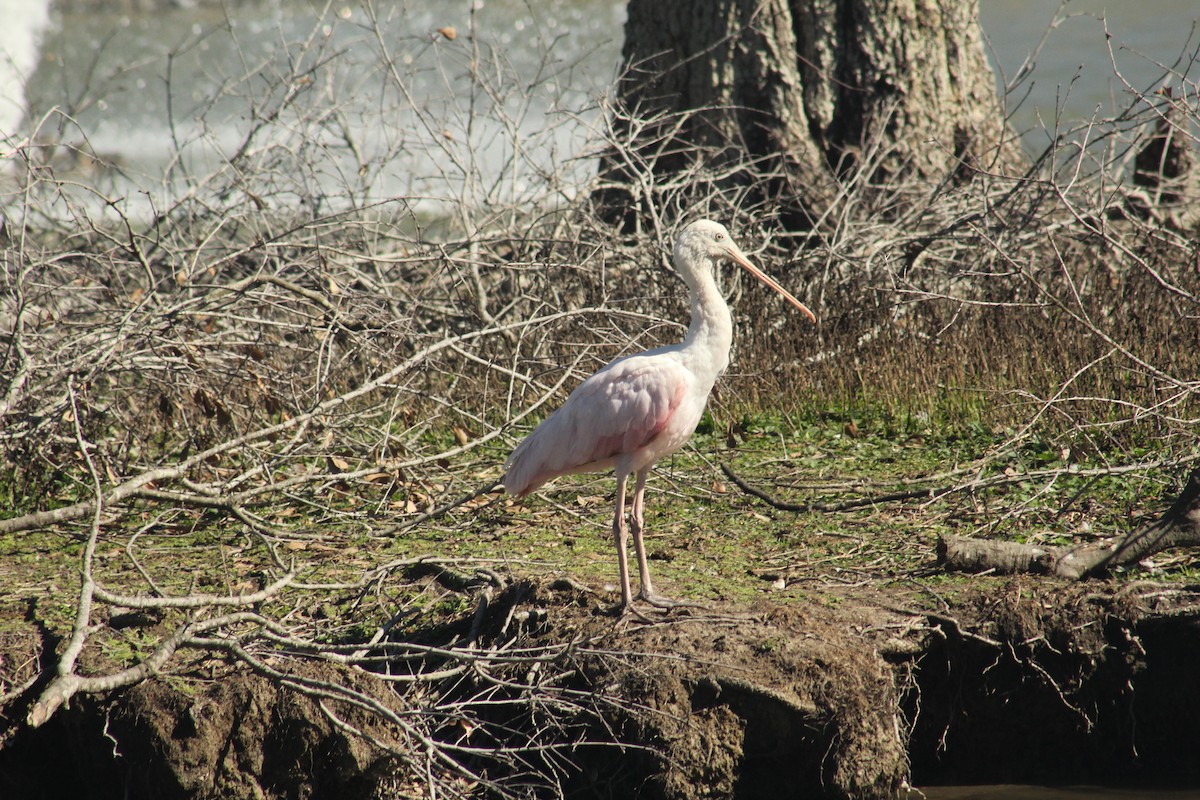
706 348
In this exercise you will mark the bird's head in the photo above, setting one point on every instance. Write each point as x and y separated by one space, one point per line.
709 240
704 242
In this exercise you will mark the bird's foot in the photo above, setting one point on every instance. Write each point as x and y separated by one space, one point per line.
631 613
666 603
626 612
628 607
623 609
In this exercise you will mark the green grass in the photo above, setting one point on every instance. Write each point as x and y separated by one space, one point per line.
707 539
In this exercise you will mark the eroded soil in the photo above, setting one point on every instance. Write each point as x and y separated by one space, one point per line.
855 695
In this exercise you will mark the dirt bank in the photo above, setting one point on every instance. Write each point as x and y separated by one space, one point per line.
848 696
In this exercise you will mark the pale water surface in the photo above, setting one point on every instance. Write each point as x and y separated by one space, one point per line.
1078 72
1011 792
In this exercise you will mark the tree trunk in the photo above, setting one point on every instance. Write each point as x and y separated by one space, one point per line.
784 99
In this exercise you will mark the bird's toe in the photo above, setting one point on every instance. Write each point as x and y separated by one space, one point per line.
665 603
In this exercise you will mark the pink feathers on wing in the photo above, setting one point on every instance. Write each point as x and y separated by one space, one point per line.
618 412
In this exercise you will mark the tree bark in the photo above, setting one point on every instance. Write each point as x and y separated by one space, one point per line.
799 94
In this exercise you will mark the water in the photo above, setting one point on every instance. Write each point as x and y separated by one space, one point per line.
402 103
1078 73
125 56
1010 792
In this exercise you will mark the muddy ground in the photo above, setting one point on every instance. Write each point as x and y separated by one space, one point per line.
856 695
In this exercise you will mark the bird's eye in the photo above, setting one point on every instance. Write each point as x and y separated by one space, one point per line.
720 236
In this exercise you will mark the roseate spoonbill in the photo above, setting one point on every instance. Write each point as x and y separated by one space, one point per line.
642 407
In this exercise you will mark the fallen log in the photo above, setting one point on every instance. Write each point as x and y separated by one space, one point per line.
1178 526
964 554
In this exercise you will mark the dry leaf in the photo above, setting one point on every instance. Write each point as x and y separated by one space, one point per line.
449 31
461 437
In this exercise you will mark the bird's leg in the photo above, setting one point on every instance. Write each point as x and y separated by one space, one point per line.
638 523
620 532
647 592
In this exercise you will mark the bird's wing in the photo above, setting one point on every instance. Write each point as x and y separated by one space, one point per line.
616 411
